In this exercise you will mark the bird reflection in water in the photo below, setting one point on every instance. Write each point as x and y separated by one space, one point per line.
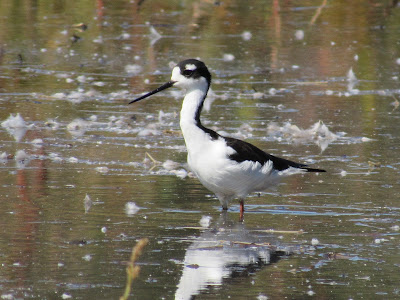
226 251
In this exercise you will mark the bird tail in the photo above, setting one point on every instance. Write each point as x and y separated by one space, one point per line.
312 169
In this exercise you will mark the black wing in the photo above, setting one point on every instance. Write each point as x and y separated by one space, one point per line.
246 151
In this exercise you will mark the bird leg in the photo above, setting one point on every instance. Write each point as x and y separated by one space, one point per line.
241 216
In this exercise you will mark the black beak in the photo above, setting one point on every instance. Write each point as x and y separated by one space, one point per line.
159 89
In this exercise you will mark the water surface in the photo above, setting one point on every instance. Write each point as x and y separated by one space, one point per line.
313 81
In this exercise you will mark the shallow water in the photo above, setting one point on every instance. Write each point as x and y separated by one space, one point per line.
281 80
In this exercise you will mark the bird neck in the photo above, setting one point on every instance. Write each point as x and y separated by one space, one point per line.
192 106
192 129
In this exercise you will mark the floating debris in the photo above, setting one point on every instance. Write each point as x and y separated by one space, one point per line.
37 143
131 208
170 165
318 133
87 257
314 241
81 78
15 126
395 104
352 80
124 36
154 35
182 173
205 221
395 228
133 69
162 116
258 95
102 170
66 296
4 157
150 129
52 124
228 57
77 127
148 158
299 34
272 91
98 40
87 203
246 35
22 159
73 160
55 157
14 122
77 96
310 293
80 27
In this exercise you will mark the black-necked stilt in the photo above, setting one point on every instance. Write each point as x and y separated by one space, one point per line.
228 167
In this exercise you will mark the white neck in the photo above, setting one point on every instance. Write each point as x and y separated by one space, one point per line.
190 107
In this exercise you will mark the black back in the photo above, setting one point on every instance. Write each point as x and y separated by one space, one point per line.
246 151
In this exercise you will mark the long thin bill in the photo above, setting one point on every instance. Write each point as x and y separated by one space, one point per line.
159 89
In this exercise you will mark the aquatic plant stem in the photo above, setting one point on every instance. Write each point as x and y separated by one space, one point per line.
132 270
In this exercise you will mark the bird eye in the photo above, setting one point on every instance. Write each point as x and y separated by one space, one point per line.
187 72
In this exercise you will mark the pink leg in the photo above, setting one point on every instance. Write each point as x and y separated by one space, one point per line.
241 216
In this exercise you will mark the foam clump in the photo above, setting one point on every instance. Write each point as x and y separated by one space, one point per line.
102 170
352 81
246 35
162 116
76 96
299 34
258 95
14 122
131 208
205 221
181 173
121 125
154 35
318 133
52 124
170 165
149 130
37 142
174 168
87 203
55 157
77 127
228 57
22 159
15 126
4 157
133 69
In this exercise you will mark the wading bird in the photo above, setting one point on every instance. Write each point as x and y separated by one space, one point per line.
228 167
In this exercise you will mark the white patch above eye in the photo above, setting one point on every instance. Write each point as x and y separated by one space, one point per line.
190 67
176 75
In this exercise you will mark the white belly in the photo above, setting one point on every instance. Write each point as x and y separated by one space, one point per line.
228 178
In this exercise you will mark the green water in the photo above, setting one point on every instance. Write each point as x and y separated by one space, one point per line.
285 62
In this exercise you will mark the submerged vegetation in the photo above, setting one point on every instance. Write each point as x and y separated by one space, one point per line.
132 270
